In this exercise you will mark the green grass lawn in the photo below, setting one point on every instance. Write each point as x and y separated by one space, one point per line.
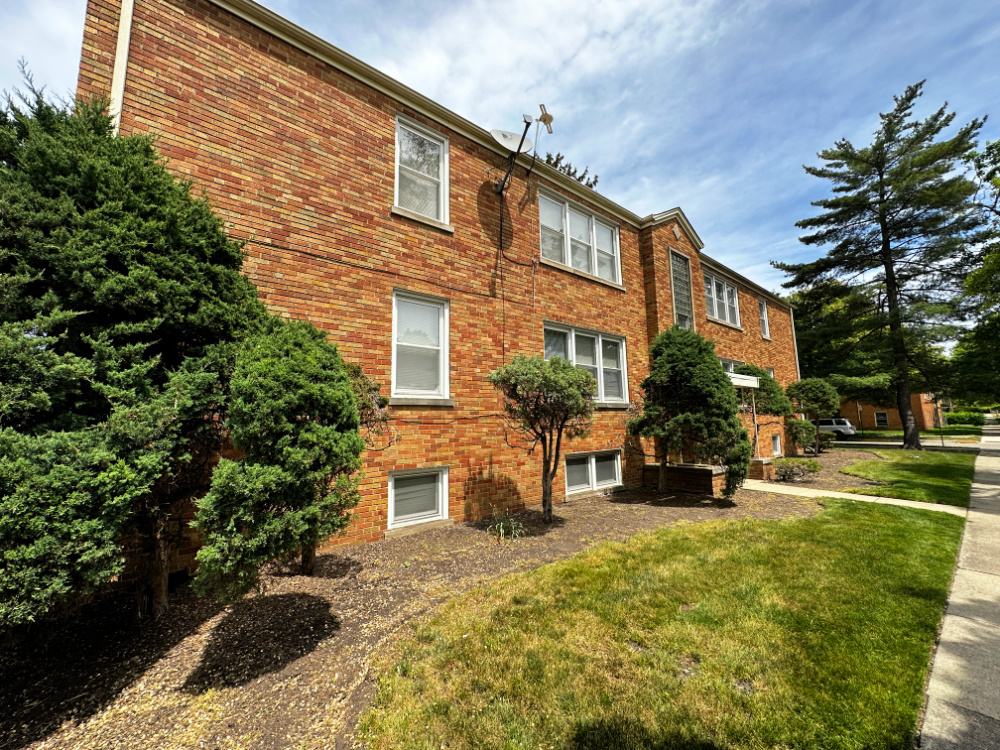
949 433
943 478
805 633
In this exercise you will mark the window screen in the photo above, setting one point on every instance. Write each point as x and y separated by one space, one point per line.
420 174
415 497
578 473
419 347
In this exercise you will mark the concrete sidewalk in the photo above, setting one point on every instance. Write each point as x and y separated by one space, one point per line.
963 695
788 489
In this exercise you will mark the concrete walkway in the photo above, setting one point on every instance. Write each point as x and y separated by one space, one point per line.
789 489
963 695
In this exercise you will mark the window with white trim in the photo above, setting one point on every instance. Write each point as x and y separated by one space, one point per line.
680 275
765 328
591 471
881 419
730 365
600 354
721 300
576 238
417 496
769 371
419 346
776 444
421 170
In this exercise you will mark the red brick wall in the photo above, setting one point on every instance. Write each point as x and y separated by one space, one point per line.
298 158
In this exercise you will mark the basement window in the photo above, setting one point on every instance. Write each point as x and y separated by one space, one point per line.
421 170
592 471
881 419
417 496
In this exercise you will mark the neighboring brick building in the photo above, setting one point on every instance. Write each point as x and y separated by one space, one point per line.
371 211
926 411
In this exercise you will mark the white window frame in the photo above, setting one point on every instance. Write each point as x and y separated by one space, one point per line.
732 364
673 287
595 219
442 495
776 445
443 322
769 371
571 332
765 323
712 313
592 471
444 187
884 414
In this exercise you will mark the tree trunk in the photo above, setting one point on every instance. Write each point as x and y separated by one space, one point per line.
661 482
308 564
900 360
159 571
546 495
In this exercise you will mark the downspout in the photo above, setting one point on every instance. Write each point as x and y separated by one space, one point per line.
795 343
121 63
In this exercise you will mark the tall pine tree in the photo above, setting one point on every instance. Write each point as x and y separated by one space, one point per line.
902 217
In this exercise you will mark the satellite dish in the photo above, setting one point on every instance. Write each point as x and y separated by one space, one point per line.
510 140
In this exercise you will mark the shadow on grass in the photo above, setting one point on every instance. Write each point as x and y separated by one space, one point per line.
925 479
70 671
261 635
626 734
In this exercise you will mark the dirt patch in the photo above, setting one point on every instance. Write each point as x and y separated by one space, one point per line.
291 668
830 478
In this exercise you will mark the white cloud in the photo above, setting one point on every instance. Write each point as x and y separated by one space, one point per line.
48 35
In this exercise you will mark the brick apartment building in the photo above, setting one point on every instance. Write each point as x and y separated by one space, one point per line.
926 410
371 211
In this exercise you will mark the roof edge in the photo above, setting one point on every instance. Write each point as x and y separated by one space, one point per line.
678 215
712 263
269 21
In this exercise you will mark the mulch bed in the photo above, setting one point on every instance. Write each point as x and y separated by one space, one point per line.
292 668
830 478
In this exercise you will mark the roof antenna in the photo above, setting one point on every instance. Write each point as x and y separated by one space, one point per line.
507 139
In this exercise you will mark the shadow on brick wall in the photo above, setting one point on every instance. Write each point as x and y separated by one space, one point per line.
486 491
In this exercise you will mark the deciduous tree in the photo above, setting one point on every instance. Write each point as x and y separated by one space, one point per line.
546 402
817 398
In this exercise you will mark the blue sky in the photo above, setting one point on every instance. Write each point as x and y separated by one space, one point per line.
709 105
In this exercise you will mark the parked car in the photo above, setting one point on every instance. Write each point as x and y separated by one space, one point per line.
838 426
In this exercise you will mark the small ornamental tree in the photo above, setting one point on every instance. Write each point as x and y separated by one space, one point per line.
546 401
817 398
769 402
293 414
691 405
800 433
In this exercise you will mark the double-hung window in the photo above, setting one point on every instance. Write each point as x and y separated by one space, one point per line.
592 471
765 328
680 274
419 346
600 354
421 171
721 300
576 238
729 365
